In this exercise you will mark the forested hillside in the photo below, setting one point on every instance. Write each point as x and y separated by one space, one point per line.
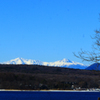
35 77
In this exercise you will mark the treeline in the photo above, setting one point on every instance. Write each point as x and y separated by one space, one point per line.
36 77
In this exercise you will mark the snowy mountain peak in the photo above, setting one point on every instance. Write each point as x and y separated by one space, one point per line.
18 59
66 60
15 61
23 61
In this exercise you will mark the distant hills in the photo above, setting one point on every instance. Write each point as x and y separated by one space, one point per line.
61 63
95 66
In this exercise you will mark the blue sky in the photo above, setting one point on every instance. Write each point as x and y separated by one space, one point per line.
47 30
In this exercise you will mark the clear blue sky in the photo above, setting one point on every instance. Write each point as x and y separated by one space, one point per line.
47 30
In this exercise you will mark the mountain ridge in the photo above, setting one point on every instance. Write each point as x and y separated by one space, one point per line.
60 63
95 66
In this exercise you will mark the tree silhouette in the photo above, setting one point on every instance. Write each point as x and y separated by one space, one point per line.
93 56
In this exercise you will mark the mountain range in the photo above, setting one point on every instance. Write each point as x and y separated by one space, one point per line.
61 63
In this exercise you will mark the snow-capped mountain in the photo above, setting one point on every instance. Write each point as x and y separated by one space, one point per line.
61 63
23 61
65 63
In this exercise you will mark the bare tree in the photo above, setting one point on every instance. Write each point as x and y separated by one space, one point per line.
93 56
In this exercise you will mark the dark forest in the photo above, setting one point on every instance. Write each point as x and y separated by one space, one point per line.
36 77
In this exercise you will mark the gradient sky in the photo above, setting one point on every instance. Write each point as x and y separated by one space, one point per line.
47 30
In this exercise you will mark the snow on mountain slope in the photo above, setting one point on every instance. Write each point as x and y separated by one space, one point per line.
66 63
61 63
23 61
